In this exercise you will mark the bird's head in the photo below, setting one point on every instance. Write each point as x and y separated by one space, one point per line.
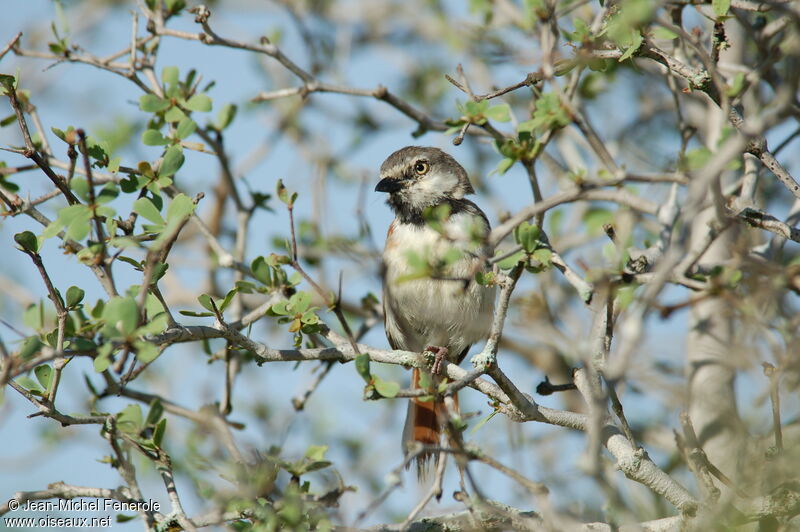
417 177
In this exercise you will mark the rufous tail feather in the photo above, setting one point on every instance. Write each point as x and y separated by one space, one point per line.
424 423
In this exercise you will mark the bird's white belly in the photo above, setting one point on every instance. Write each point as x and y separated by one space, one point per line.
444 313
429 311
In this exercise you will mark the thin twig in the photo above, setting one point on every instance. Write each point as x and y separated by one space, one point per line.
775 399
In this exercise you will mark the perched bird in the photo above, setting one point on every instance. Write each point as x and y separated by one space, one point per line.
434 248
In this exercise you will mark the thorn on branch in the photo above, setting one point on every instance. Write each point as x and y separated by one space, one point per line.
381 92
772 373
455 83
11 45
610 232
460 137
547 388
217 313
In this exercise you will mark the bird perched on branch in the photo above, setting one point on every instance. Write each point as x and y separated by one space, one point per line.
435 246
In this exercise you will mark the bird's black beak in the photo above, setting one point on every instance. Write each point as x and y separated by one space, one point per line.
388 184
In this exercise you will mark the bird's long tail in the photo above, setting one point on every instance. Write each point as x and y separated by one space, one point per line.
424 424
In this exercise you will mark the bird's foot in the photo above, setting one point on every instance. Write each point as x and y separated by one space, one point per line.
439 355
484 360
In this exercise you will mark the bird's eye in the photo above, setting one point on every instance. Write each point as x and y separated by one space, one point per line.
421 167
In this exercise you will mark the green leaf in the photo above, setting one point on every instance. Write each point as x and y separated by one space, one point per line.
482 422
228 298
425 380
121 315
316 452
145 352
150 103
30 347
636 42
698 157
97 150
280 308
510 262
527 126
63 23
309 318
33 316
155 413
78 226
199 102
484 278
175 114
663 33
736 85
169 75
500 113
130 419
29 384
476 109
158 432
300 301
103 359
225 116
504 165
173 160
179 208
107 193
157 324
69 213
625 295
527 236
153 137
135 263
195 314
721 7
543 255
174 6
386 388
362 366
582 31
146 208
186 128
44 374
27 241
74 296
316 466
59 133
205 302
245 287
8 82
97 310
283 193
548 114
13 187
260 270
